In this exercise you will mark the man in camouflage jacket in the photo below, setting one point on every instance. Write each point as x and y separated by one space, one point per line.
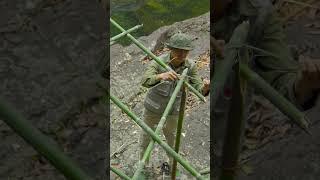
162 84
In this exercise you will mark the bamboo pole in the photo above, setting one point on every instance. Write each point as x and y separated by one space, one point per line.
163 119
220 74
161 63
275 98
120 173
235 126
235 123
41 143
114 38
178 133
155 137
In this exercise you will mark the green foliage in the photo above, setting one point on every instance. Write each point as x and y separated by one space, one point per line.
154 14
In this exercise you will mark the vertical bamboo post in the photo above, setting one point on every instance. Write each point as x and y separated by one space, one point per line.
232 145
178 133
225 67
235 124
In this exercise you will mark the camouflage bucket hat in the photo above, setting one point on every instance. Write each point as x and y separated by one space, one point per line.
180 41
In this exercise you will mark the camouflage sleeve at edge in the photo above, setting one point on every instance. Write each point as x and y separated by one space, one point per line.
149 77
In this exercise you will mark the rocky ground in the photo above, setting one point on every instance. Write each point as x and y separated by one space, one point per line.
127 66
52 55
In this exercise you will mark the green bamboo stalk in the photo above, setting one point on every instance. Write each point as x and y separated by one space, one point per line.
41 143
235 123
114 38
155 137
161 63
225 67
275 98
232 144
163 119
120 173
178 133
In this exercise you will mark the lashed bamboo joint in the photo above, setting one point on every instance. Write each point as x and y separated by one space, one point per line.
113 39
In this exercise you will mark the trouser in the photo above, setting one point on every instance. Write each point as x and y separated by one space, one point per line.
169 130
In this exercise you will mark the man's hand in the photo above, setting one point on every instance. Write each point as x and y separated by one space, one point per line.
170 75
206 87
308 80
218 46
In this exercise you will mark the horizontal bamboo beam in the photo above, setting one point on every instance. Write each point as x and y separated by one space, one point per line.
275 97
155 137
161 63
41 143
114 38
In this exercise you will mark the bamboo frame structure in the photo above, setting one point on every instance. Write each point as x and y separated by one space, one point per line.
220 76
167 148
70 170
236 121
155 137
160 125
154 57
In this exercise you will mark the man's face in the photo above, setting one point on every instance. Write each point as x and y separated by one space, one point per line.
219 8
178 55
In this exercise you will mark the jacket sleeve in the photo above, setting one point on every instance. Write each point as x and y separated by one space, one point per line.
149 76
194 79
280 70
